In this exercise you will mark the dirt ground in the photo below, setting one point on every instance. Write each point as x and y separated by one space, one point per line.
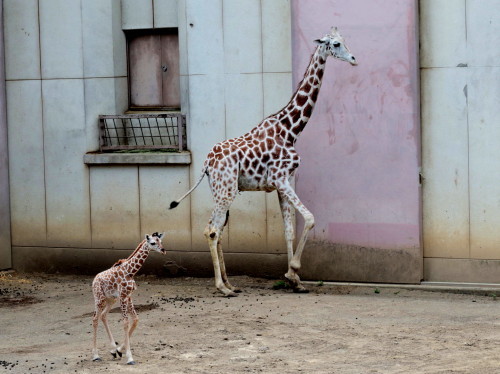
45 327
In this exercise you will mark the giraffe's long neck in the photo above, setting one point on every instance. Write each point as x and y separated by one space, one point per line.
135 261
296 114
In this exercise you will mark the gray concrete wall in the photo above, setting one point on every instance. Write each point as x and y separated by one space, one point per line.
66 64
5 244
460 73
235 70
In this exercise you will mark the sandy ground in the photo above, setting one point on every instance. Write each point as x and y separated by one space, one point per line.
45 327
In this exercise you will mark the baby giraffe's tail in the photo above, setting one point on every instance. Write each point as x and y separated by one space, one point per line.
174 203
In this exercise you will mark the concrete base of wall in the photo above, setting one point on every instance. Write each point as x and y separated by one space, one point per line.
320 261
339 262
92 261
461 270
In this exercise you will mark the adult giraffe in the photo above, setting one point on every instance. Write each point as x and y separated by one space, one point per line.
265 159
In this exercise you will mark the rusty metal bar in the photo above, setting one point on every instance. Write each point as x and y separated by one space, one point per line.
121 132
168 125
124 129
159 131
116 131
130 147
162 115
179 132
142 132
102 129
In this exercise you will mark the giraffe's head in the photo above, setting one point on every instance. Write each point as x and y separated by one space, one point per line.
154 242
333 44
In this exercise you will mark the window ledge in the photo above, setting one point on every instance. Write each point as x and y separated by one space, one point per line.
180 158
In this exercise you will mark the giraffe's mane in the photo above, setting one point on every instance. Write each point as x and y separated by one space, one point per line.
298 86
121 261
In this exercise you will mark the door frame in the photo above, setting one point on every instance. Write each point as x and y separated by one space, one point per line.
5 239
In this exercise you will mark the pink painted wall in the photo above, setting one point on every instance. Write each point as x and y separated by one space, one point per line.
360 150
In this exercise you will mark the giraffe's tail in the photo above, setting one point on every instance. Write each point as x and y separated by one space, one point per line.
174 203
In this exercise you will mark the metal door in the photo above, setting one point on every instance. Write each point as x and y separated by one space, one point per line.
154 70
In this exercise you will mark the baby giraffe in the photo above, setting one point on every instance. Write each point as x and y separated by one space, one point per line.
118 283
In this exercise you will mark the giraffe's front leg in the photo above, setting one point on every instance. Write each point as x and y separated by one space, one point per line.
104 317
288 220
95 323
126 329
135 318
100 303
286 191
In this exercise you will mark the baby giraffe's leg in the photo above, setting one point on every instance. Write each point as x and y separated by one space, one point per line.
135 320
135 317
104 319
95 322
124 300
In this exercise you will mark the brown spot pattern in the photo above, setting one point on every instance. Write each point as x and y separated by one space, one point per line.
261 158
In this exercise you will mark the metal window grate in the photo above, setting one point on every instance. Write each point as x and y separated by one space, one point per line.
142 131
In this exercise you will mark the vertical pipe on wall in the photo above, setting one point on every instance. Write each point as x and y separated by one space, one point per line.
5 242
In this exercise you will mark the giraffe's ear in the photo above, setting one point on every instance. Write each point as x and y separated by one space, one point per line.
321 41
147 237
161 235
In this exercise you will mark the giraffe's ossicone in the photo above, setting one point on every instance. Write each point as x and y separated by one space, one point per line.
265 159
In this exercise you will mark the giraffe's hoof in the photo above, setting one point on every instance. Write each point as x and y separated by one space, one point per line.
293 279
300 289
119 353
97 359
113 354
236 289
131 363
228 293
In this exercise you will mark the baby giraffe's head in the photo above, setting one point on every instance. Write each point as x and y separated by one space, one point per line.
154 242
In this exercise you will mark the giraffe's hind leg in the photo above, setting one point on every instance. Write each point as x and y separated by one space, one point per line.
225 279
224 190
221 260
212 233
